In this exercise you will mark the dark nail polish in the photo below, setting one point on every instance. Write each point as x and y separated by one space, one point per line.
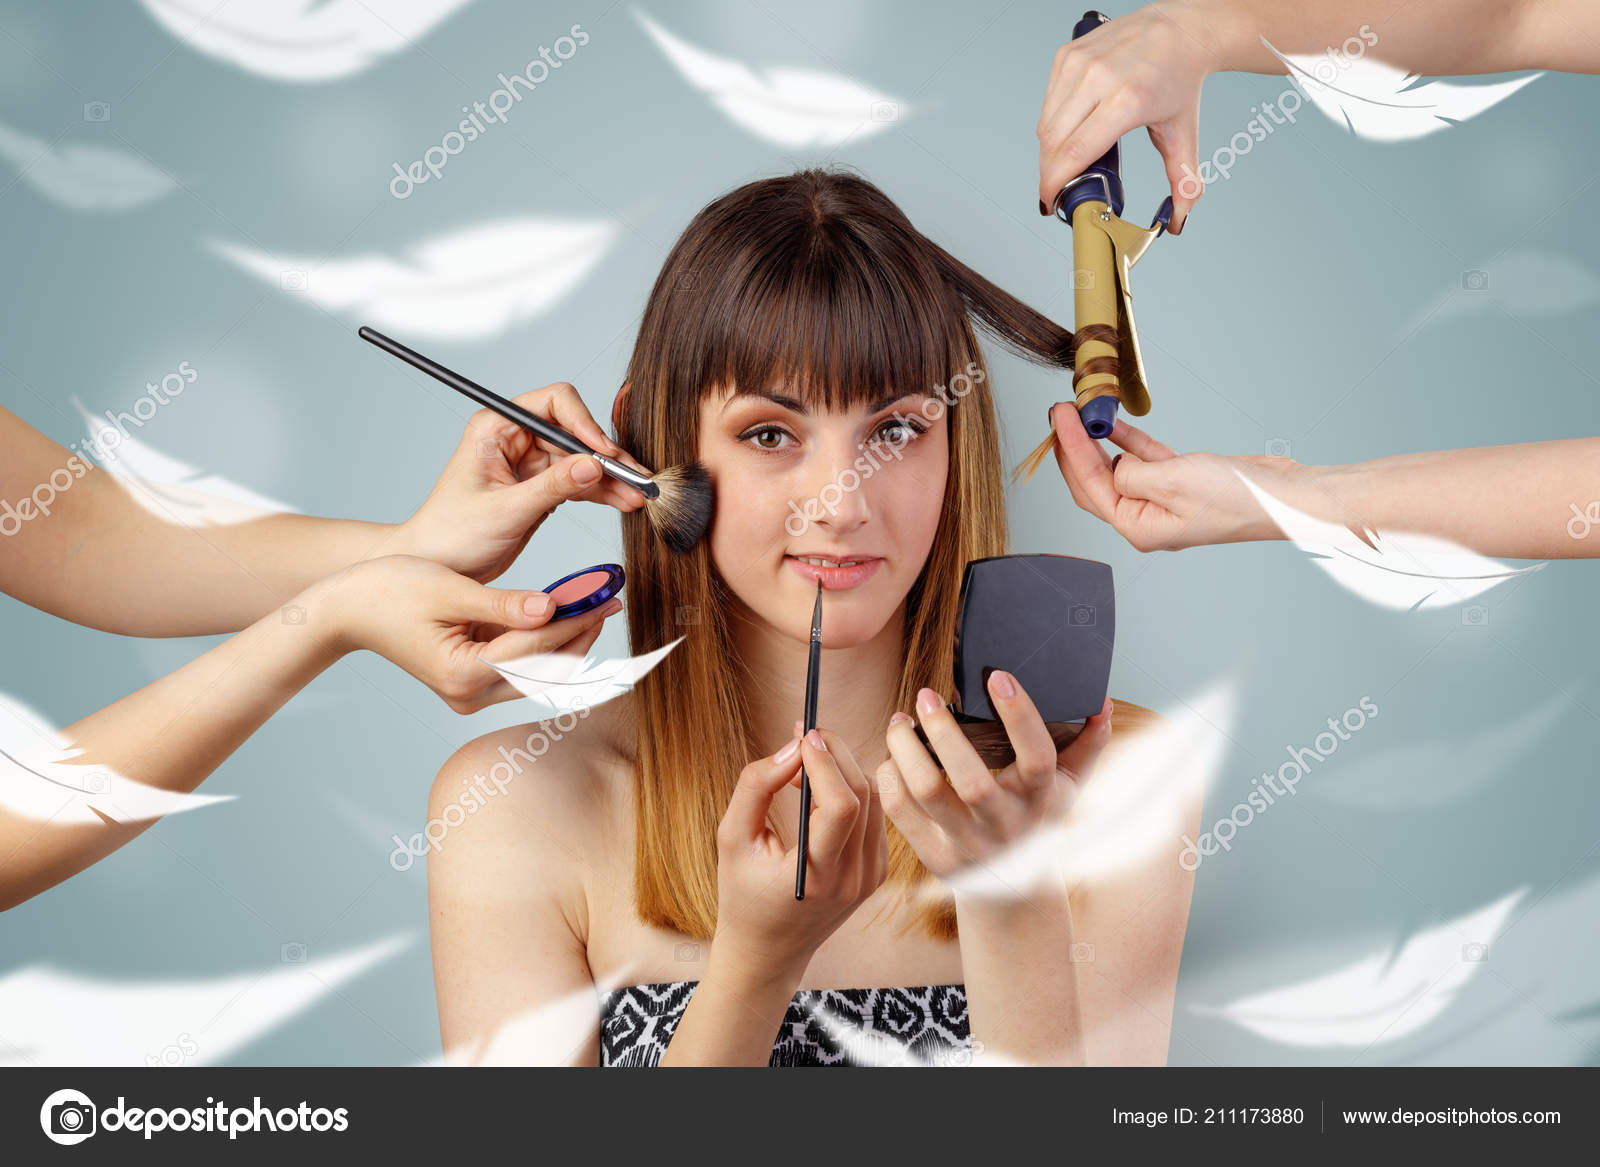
1043 210
1114 462
1051 414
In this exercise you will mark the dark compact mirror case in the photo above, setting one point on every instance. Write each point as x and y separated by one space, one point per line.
1049 621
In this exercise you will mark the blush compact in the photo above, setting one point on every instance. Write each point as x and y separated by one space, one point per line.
585 590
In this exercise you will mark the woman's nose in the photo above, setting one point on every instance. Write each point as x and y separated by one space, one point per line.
841 495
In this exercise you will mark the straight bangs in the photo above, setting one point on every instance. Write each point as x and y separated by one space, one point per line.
841 322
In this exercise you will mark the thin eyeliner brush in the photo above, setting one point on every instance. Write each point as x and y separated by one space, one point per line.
678 500
813 666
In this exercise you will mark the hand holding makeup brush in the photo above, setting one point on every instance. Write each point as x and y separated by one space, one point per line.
501 484
761 927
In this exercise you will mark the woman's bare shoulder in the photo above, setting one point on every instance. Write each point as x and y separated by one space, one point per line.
560 779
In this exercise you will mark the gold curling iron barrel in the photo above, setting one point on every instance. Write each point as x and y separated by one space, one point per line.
1108 367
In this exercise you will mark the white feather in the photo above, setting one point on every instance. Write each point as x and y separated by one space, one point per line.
792 108
561 683
548 1035
1136 804
300 40
1371 97
1398 570
1524 283
39 780
467 285
56 1017
1435 773
83 178
1376 999
169 488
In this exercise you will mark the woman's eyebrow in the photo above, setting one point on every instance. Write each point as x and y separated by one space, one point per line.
795 405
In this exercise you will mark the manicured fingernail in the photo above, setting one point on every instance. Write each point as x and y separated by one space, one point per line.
538 604
815 738
788 750
927 701
899 717
1051 414
1114 462
612 605
1043 210
585 471
1002 684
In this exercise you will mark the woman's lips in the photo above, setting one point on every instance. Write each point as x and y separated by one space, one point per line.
835 578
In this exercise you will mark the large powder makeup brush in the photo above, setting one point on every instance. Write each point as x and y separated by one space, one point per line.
679 499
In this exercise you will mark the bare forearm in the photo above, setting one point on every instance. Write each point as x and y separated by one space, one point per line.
1530 501
76 544
1430 37
104 562
170 735
1021 983
733 1017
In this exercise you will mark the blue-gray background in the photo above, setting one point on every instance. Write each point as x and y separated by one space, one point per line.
1286 313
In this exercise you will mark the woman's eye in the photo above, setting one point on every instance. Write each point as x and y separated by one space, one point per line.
897 432
765 437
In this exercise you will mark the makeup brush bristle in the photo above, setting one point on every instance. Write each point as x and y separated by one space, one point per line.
681 513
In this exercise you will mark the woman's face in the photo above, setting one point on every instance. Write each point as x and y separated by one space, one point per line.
863 486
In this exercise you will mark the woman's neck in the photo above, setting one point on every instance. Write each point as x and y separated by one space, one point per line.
855 695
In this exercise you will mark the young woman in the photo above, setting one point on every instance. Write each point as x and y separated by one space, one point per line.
628 898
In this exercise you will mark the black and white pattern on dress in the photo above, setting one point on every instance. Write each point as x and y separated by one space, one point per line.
918 1025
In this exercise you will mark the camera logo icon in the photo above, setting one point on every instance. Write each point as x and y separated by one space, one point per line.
67 1117
1278 448
293 280
1475 616
1475 952
1081 615
885 111
1474 281
97 111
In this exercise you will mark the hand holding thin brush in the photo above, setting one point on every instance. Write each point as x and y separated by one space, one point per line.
762 929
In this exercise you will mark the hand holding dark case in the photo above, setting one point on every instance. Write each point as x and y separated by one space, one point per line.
1049 621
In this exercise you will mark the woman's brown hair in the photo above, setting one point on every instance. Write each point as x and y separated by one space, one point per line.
816 279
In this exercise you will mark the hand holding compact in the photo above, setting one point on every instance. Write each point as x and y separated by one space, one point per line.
761 928
501 484
964 818
436 624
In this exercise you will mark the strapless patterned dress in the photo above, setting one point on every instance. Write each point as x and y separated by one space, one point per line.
919 1025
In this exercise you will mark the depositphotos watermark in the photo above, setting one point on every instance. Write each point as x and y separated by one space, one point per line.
868 462
481 788
1259 127
1584 521
102 446
1283 783
69 1117
482 114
